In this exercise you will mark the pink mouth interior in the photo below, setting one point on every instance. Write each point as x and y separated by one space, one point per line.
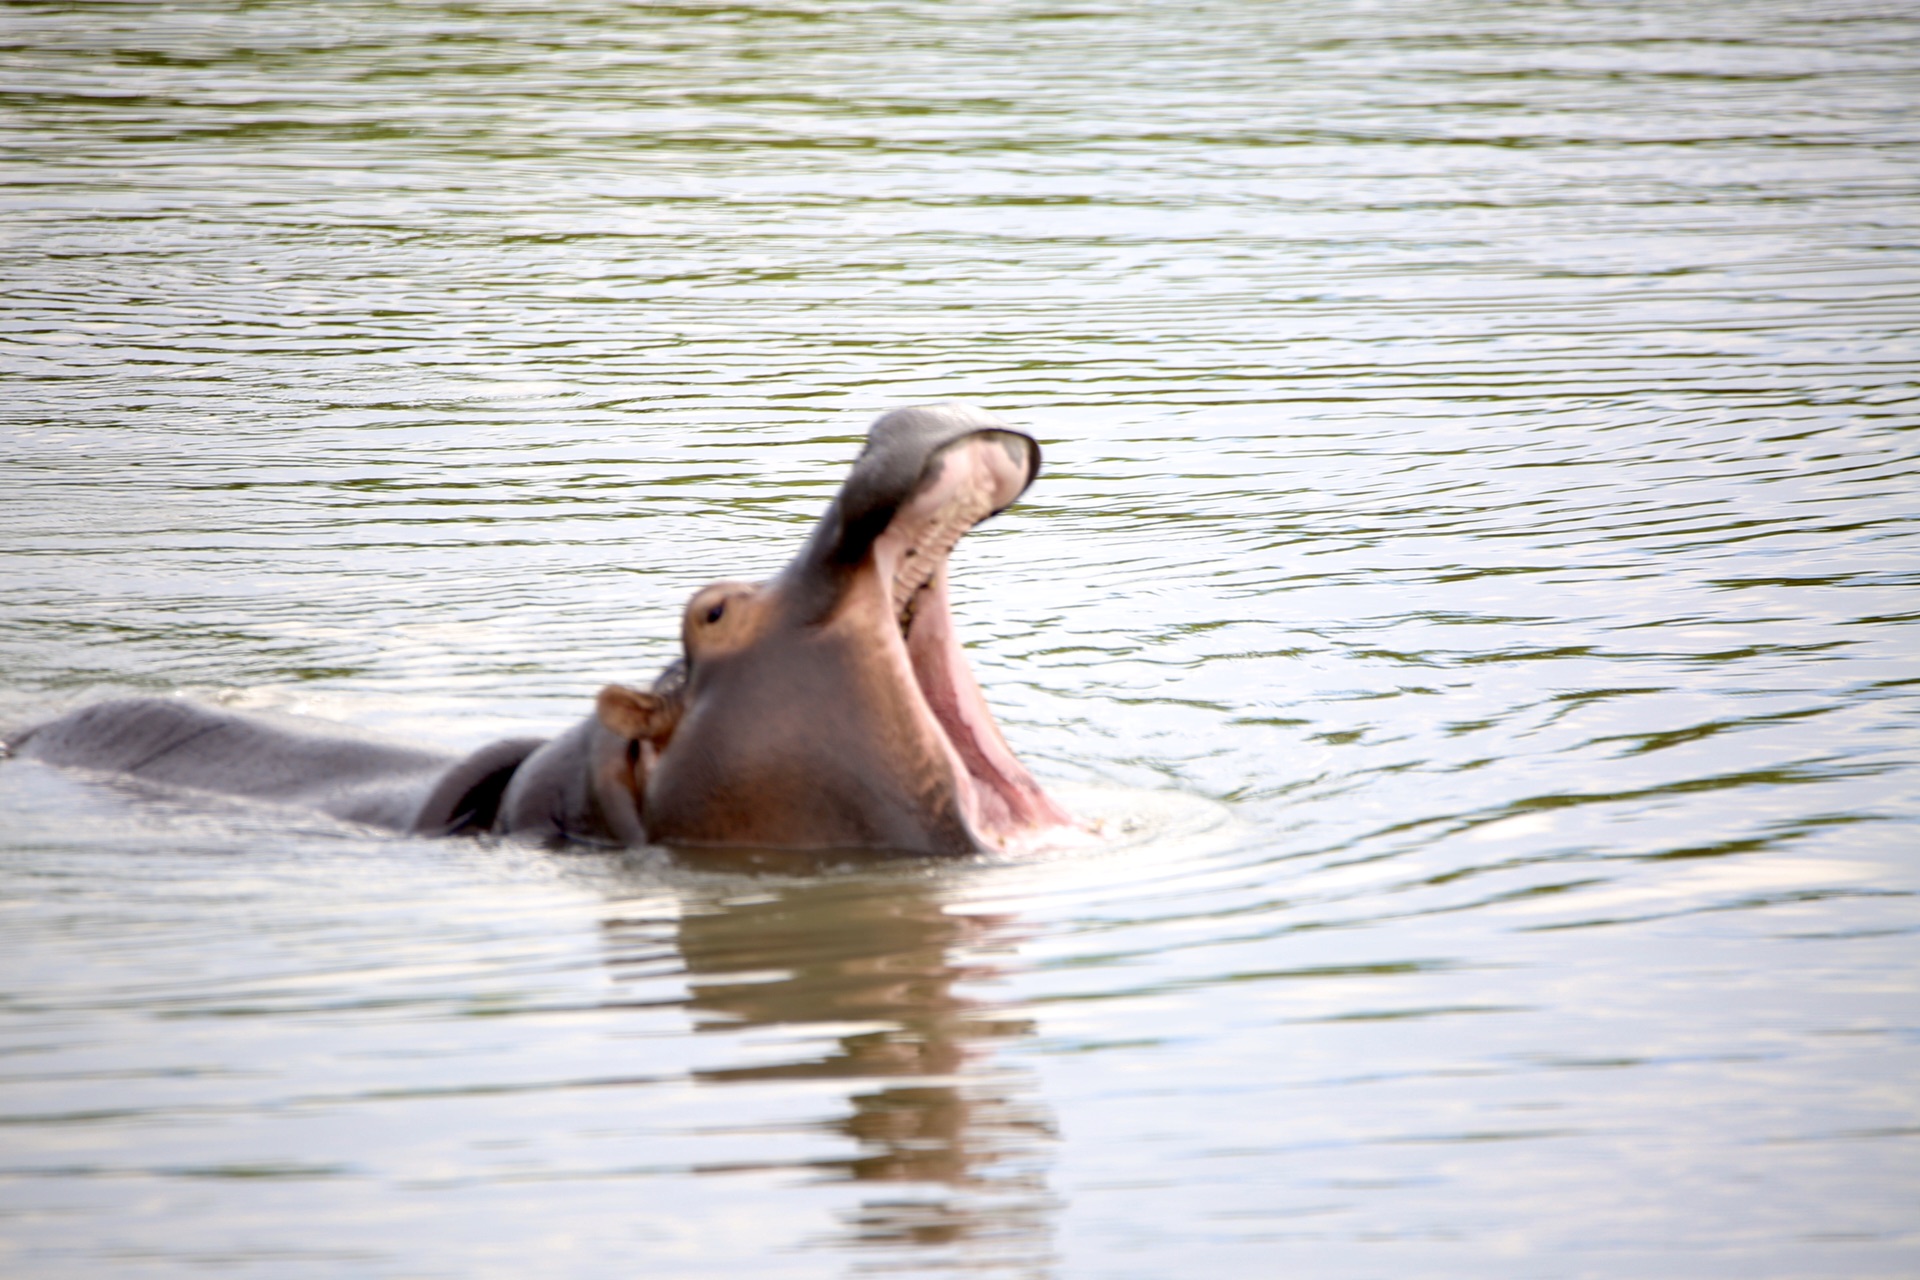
976 477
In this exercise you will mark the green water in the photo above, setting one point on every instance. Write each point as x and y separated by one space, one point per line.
1473 575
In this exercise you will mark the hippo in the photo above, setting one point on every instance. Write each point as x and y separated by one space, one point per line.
828 708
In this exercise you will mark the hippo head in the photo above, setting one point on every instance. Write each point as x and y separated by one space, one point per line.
832 707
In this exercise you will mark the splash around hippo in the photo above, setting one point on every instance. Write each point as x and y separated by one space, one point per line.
830 707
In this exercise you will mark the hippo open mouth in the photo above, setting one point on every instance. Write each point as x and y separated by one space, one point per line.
969 480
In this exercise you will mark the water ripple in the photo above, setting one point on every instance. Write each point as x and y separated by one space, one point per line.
1479 457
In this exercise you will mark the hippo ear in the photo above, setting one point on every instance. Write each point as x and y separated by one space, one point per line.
634 715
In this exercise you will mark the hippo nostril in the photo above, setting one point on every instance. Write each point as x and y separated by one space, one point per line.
713 614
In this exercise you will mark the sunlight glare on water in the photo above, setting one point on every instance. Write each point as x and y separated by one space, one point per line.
1470 584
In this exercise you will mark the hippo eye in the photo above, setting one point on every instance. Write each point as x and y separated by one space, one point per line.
713 614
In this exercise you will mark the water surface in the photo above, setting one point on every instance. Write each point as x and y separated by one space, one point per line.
1474 562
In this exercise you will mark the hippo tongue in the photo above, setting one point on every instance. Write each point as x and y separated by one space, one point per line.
967 481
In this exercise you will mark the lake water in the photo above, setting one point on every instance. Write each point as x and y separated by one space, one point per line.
1473 574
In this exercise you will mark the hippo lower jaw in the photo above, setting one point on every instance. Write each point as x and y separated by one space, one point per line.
999 799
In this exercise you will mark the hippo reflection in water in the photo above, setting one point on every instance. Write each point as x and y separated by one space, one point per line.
830 707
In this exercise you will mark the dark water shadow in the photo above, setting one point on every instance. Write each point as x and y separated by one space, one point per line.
952 1143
